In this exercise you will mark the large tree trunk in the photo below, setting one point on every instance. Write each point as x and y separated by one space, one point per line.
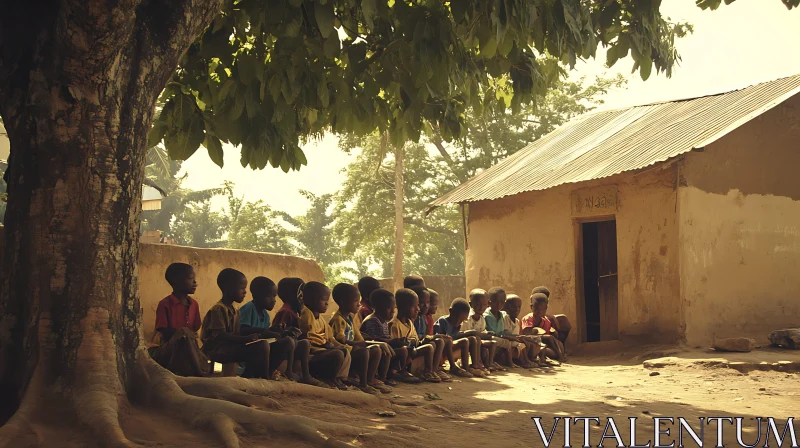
78 85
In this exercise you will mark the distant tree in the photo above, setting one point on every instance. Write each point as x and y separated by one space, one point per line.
434 242
255 226
163 172
199 226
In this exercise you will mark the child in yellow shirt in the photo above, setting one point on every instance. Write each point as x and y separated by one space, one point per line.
330 360
367 359
403 327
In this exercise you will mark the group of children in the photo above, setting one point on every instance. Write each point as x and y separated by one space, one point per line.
370 342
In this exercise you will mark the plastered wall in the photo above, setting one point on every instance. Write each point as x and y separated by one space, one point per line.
740 230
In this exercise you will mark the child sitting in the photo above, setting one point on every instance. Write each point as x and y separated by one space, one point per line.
329 358
507 344
479 302
559 321
366 359
254 319
526 354
432 309
365 287
222 341
376 328
288 316
466 343
402 327
421 327
177 324
536 320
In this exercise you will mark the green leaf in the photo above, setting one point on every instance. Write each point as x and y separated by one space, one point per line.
459 9
324 16
312 116
238 104
214 147
300 156
323 93
332 46
246 66
156 133
181 145
226 88
369 9
646 65
490 49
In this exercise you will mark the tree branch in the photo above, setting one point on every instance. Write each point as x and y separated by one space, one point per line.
429 227
437 141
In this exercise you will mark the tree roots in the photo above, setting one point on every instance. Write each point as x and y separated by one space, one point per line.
228 406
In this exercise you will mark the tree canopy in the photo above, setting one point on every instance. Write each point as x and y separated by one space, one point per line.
267 73
434 242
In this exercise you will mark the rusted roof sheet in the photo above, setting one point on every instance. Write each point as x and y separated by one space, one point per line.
602 144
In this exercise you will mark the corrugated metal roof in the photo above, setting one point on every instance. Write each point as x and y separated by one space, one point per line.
602 144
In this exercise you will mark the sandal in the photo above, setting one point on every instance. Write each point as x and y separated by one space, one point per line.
390 382
477 373
499 368
405 377
431 377
380 386
444 376
458 371
340 385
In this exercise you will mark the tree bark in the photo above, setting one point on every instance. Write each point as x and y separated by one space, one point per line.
78 85
398 216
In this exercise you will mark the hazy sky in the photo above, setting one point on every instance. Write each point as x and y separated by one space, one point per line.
737 45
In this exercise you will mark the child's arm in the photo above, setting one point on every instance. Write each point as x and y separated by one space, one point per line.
233 338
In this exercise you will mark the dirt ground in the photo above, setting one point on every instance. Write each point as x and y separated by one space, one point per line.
608 382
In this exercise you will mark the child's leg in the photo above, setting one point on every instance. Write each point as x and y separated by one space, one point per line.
426 351
326 364
438 350
383 367
400 359
475 354
280 351
257 359
489 352
554 351
462 345
375 360
360 364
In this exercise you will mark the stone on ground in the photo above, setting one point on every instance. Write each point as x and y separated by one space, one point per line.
735 344
786 338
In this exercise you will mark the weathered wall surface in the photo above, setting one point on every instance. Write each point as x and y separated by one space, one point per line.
154 259
739 217
523 241
449 287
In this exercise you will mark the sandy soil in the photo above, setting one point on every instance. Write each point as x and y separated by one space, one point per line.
498 411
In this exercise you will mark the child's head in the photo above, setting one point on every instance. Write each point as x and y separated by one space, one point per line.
233 284
316 296
513 306
413 281
181 277
478 301
346 297
497 298
539 303
365 287
383 303
541 289
407 303
289 292
263 291
424 299
434 306
459 310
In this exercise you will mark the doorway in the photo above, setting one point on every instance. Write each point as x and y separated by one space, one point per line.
600 282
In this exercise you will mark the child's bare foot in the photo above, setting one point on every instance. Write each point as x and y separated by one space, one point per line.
383 388
367 389
291 376
339 384
405 377
458 371
311 381
477 372
390 382
431 377
444 376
